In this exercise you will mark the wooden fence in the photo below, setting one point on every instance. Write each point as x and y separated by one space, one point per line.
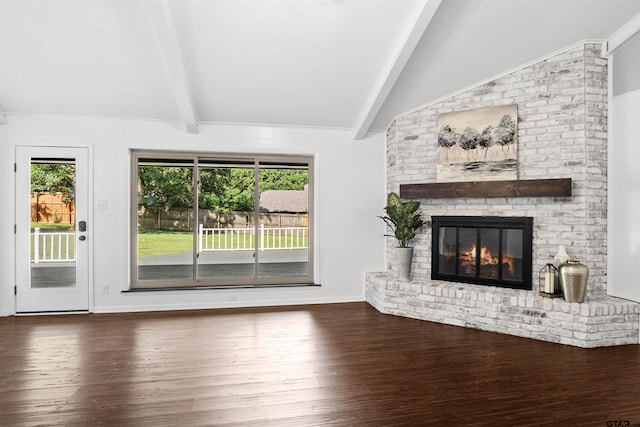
181 219
52 208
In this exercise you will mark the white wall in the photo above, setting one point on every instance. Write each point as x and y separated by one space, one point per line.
623 179
626 67
624 197
349 194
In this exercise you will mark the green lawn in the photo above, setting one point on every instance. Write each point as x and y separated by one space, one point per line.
160 242
49 227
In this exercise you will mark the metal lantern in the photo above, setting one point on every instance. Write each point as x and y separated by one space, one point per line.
548 280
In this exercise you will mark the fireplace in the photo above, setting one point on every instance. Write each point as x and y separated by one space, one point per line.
492 251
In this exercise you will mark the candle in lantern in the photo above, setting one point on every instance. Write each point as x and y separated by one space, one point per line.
549 281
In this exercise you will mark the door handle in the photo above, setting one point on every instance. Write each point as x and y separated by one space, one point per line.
82 238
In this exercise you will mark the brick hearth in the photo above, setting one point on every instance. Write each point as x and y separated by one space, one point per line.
601 321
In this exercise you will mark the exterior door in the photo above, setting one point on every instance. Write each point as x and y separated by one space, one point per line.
52 246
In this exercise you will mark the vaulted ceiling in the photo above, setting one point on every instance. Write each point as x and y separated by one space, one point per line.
352 64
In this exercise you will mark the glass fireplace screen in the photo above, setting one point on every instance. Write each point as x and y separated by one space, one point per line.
493 251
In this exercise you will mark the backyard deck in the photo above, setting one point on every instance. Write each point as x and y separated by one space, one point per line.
273 263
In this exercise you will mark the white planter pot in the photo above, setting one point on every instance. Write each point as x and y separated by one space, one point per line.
404 256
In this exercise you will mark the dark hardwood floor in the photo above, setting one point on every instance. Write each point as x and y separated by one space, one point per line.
336 364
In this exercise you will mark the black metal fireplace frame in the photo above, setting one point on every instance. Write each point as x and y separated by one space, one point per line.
478 222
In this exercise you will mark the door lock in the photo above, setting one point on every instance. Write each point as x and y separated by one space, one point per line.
82 238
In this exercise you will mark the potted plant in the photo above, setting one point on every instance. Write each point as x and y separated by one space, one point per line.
404 219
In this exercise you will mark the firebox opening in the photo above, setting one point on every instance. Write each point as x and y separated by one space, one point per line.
493 251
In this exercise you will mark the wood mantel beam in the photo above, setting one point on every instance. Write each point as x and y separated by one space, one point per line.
559 187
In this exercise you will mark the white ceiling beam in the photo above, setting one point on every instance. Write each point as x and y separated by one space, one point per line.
621 36
415 28
165 32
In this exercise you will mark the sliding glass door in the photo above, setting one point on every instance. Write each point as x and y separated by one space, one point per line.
220 220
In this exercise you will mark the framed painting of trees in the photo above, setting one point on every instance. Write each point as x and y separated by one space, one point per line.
478 145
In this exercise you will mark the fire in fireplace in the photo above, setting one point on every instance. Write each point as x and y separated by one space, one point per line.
494 251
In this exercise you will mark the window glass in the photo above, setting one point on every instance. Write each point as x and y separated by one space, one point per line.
165 219
53 234
447 250
467 246
284 220
226 229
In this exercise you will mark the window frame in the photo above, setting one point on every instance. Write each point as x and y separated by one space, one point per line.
195 282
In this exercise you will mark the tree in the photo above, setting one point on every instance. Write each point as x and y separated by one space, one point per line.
236 192
53 178
485 140
223 189
237 195
505 134
469 140
447 138
283 179
162 188
213 182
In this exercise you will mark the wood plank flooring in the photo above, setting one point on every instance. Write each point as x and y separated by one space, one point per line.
319 365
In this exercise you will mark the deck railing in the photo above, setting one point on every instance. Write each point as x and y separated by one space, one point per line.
52 247
244 239
59 247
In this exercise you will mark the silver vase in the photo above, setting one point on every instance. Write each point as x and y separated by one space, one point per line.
573 280
404 257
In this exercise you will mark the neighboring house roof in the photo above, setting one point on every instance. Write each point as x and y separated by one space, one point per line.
294 201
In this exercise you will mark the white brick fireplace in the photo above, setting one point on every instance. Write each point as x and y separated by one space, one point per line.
562 119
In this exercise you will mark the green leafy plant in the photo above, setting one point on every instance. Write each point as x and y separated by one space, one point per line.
403 219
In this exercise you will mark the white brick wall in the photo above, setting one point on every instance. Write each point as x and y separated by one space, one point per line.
562 133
